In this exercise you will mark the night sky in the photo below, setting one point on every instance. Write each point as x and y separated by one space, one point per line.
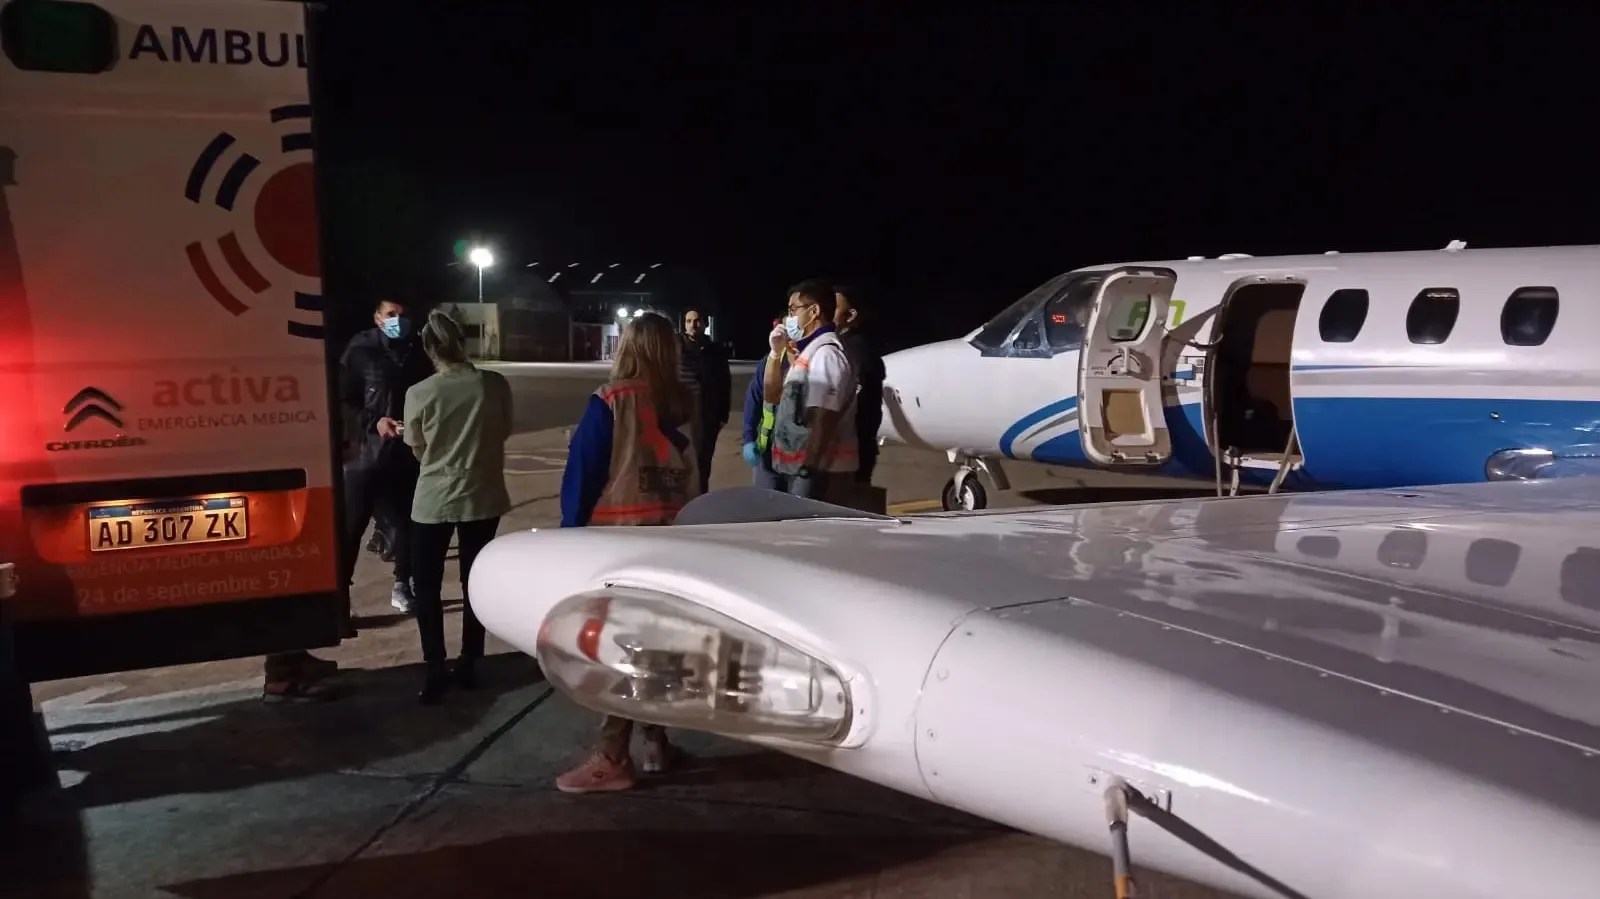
947 161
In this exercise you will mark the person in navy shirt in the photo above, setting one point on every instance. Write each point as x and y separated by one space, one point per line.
756 438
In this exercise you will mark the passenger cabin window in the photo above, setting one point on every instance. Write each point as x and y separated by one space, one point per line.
1049 320
1491 561
1580 571
1433 315
1529 316
1403 548
1343 315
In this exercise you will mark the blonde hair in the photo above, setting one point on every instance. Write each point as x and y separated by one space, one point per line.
443 340
648 352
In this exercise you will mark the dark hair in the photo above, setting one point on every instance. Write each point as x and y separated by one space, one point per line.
850 292
818 291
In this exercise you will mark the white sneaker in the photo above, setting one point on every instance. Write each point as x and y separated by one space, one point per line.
400 597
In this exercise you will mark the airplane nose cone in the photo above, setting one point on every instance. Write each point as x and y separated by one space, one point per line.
900 385
910 387
886 427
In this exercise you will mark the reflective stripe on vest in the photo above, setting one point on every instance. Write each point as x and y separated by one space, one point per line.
769 412
791 433
650 479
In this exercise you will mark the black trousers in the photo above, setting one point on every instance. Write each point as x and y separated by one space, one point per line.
385 483
430 543
867 423
706 449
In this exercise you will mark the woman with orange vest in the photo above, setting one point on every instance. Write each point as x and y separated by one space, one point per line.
630 463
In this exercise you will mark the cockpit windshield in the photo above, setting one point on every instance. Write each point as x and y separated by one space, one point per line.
1050 319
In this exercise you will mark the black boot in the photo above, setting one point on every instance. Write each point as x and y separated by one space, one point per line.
466 673
434 683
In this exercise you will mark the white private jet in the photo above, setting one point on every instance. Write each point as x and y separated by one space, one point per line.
1348 695
1297 372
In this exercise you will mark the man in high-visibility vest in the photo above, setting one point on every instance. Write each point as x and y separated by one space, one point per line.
814 430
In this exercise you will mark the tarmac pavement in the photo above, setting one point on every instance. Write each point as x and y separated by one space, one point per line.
180 782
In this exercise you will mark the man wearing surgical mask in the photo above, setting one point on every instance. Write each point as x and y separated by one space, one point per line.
380 472
814 429
379 366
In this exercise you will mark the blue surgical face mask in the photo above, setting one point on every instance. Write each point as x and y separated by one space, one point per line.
397 327
791 326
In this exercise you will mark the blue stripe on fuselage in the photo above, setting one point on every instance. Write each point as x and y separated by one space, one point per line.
1366 442
1034 418
1363 441
1189 453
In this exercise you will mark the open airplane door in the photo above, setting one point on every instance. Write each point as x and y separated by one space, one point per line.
1122 419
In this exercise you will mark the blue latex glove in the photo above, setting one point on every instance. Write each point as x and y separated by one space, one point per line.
752 458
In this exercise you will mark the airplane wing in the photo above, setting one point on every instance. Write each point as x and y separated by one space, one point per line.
1345 694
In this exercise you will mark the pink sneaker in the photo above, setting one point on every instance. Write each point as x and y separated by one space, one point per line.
598 774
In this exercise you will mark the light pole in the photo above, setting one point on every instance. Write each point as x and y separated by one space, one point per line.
482 258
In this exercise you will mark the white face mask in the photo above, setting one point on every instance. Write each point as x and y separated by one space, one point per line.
791 326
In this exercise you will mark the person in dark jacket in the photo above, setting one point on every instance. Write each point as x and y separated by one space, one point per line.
707 364
870 374
379 366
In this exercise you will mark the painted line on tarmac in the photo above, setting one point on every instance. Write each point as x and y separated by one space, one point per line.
911 507
450 775
535 463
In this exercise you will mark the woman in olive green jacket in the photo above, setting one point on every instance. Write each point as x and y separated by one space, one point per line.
456 422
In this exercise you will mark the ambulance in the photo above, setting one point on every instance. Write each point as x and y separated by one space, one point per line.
168 429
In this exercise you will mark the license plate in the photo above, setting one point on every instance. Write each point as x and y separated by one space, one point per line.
181 522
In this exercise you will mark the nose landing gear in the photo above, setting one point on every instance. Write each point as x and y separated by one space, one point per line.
965 492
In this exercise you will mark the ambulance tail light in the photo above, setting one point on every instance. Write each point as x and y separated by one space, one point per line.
662 659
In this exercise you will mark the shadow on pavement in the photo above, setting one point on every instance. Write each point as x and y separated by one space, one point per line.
232 745
666 864
43 850
245 742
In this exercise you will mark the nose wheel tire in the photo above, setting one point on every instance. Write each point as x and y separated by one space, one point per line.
970 498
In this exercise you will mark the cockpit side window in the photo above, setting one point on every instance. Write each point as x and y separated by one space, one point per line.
1050 319
996 335
1028 340
1067 314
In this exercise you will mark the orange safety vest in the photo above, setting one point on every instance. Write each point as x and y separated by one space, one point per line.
650 478
790 433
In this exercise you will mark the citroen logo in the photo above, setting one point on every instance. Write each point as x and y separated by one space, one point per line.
91 402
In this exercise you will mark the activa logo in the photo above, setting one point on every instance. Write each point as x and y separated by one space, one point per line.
282 224
230 389
92 402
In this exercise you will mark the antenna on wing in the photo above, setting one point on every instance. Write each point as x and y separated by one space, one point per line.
1455 246
1121 798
